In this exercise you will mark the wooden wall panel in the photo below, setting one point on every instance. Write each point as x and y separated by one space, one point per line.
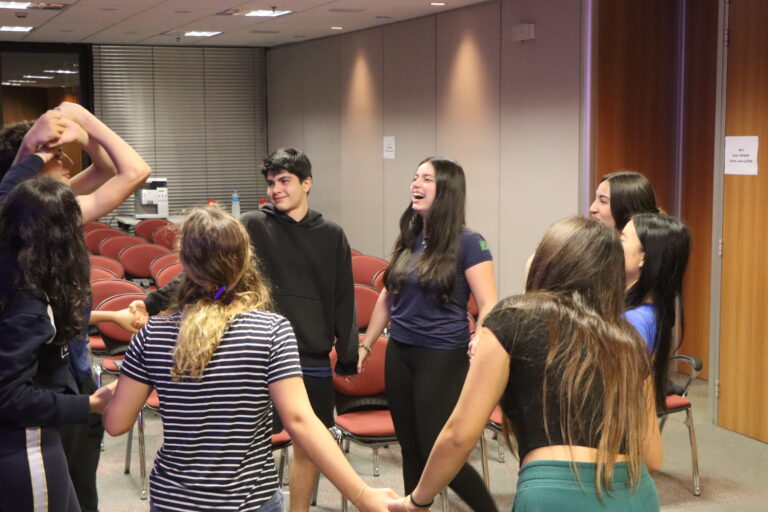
697 170
743 399
636 91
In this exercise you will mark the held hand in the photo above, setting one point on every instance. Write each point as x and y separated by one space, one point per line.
73 132
362 355
375 499
74 112
472 347
127 320
404 505
100 398
46 130
140 315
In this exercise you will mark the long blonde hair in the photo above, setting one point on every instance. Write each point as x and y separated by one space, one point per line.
222 278
575 292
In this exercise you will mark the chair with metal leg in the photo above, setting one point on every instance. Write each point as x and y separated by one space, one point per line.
677 402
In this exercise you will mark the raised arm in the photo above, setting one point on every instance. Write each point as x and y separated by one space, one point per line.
486 380
379 320
306 430
130 169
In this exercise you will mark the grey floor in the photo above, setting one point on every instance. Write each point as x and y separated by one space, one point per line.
734 469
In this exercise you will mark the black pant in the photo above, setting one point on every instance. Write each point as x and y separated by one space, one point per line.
423 386
33 470
82 447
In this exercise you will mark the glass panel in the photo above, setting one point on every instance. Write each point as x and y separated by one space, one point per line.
35 82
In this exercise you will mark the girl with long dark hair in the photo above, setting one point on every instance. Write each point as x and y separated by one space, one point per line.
217 364
620 195
574 383
656 250
435 265
44 286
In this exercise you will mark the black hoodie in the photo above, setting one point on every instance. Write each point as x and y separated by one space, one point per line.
309 267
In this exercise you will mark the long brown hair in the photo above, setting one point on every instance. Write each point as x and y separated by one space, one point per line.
436 267
221 279
40 229
595 362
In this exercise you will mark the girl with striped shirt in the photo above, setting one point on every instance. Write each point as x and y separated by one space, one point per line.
217 364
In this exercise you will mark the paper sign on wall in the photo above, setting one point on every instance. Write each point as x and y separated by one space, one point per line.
741 155
389 148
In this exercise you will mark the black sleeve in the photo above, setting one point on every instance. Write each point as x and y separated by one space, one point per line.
21 401
160 299
507 322
346 331
28 168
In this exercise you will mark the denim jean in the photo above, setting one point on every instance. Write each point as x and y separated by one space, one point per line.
275 504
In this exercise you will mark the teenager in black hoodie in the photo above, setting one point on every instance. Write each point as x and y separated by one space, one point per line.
309 266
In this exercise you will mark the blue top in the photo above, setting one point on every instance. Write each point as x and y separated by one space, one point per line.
643 318
418 318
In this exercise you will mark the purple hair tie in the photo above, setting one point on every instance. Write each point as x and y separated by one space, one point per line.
219 293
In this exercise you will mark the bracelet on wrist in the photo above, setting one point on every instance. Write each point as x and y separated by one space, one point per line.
419 505
367 349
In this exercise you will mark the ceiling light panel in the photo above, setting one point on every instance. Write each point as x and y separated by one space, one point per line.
15 28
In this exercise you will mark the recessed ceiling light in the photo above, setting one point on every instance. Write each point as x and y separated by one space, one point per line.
266 13
39 77
60 71
437 4
200 33
6 28
14 5
337 28
23 81
32 5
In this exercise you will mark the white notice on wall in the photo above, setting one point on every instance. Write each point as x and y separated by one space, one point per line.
741 155
389 148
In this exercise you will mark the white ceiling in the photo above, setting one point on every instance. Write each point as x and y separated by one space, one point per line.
163 22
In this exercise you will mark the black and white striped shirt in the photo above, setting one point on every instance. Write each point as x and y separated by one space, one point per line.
216 452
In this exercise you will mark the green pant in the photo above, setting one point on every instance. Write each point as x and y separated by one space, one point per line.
550 486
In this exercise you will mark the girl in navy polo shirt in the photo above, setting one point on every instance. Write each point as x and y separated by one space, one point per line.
435 265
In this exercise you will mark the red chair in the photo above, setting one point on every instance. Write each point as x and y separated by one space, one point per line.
378 279
137 258
365 267
161 262
168 274
677 402
103 289
101 273
365 301
107 263
88 226
112 246
145 227
355 252
94 237
363 414
166 236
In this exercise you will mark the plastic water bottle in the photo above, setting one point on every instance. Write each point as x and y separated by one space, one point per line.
235 204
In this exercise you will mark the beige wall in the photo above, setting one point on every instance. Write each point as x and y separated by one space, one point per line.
452 84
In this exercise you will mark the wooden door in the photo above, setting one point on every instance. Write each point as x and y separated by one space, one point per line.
743 376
